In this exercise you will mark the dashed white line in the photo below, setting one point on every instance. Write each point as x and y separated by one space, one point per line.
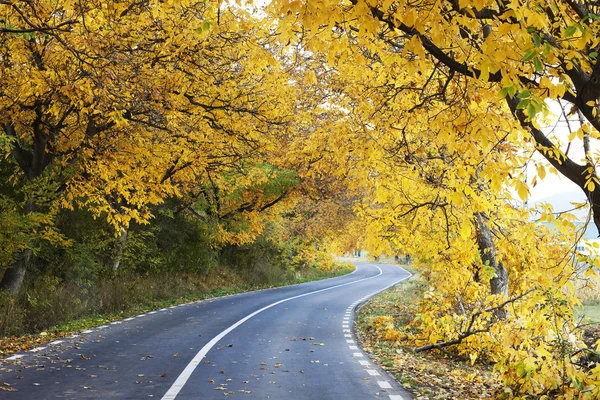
129 319
56 342
364 362
15 357
189 369
396 397
372 372
384 384
88 331
353 347
40 348
347 335
349 341
357 355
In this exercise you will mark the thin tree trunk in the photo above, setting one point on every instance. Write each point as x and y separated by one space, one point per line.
14 276
120 246
487 250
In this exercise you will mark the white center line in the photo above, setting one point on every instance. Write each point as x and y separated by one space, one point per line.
189 369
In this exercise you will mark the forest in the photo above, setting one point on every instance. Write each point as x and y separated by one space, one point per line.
155 149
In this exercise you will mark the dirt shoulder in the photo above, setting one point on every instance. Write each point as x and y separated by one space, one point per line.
431 375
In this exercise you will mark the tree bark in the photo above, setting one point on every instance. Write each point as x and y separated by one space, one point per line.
14 276
120 246
487 250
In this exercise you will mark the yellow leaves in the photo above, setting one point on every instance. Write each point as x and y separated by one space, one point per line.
465 231
522 190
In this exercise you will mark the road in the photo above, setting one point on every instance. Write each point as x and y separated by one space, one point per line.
294 342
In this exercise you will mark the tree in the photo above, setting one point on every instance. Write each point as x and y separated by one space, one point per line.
527 54
117 106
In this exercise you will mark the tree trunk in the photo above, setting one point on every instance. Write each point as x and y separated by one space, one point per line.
14 276
120 246
487 250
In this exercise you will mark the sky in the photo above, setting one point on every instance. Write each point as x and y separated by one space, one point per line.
555 189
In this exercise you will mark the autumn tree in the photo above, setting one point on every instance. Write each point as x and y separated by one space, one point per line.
116 106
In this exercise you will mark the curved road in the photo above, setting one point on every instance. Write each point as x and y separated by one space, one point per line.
294 342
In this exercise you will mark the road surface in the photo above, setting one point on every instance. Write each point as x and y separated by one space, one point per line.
294 342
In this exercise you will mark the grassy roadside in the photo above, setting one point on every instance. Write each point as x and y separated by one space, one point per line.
152 293
426 375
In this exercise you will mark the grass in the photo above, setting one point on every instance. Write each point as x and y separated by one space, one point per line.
426 375
588 290
56 310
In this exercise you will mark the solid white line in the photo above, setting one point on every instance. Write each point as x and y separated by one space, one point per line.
384 384
189 369
372 372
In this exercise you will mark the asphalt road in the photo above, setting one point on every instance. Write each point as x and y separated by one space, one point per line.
294 342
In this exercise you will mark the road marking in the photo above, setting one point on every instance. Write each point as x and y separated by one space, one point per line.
396 397
357 354
363 362
129 319
88 331
347 335
56 342
15 357
40 348
384 384
189 369
349 340
151 312
372 372
353 347
346 330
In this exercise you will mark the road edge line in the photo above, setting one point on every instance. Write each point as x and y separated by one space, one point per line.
189 369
